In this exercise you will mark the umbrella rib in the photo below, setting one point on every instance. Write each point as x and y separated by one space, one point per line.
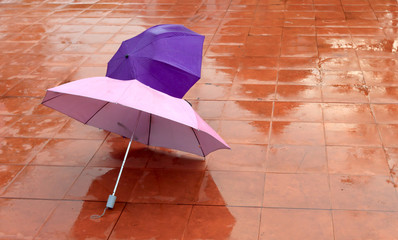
153 77
151 42
150 127
197 139
96 112
59 94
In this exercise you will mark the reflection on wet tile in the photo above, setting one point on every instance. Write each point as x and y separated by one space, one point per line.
256 76
216 222
164 158
380 78
297 111
78 130
388 134
6 121
43 182
231 188
252 92
224 50
260 63
357 161
17 105
36 126
352 134
385 113
242 158
97 183
146 221
291 224
48 73
297 63
208 109
5 86
378 64
67 152
209 92
72 220
167 186
298 93
339 63
220 62
380 94
296 159
296 191
342 78
214 75
304 77
256 132
348 113
392 159
355 94
19 150
33 213
365 225
297 133
111 154
247 110
363 193
7 174
85 72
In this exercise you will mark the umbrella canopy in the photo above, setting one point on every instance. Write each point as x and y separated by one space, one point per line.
165 57
127 107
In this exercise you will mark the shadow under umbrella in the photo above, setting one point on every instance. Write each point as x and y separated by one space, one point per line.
163 195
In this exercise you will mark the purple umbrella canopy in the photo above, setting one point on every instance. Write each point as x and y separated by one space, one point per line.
165 57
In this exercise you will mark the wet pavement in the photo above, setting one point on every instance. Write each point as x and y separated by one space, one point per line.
304 91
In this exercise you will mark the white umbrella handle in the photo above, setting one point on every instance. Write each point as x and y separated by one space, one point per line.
112 198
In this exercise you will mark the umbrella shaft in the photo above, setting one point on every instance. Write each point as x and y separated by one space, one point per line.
125 155
121 169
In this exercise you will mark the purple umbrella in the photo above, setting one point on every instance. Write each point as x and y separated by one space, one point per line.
136 111
165 57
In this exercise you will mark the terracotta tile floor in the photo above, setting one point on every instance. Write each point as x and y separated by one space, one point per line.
304 91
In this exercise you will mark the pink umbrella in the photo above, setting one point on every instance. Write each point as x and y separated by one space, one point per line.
136 111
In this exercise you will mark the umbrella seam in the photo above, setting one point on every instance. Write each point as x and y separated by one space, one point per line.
160 82
123 57
59 94
197 139
96 112
150 126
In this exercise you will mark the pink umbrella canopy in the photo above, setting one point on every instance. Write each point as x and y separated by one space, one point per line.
136 111
127 107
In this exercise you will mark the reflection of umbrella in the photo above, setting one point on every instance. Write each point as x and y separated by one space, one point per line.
136 111
165 57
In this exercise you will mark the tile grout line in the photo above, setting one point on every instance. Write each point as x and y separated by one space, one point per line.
117 220
319 67
30 157
386 155
85 167
47 219
270 126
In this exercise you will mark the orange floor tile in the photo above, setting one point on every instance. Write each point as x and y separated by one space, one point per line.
304 91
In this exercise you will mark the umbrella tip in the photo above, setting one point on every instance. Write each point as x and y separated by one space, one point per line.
126 56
